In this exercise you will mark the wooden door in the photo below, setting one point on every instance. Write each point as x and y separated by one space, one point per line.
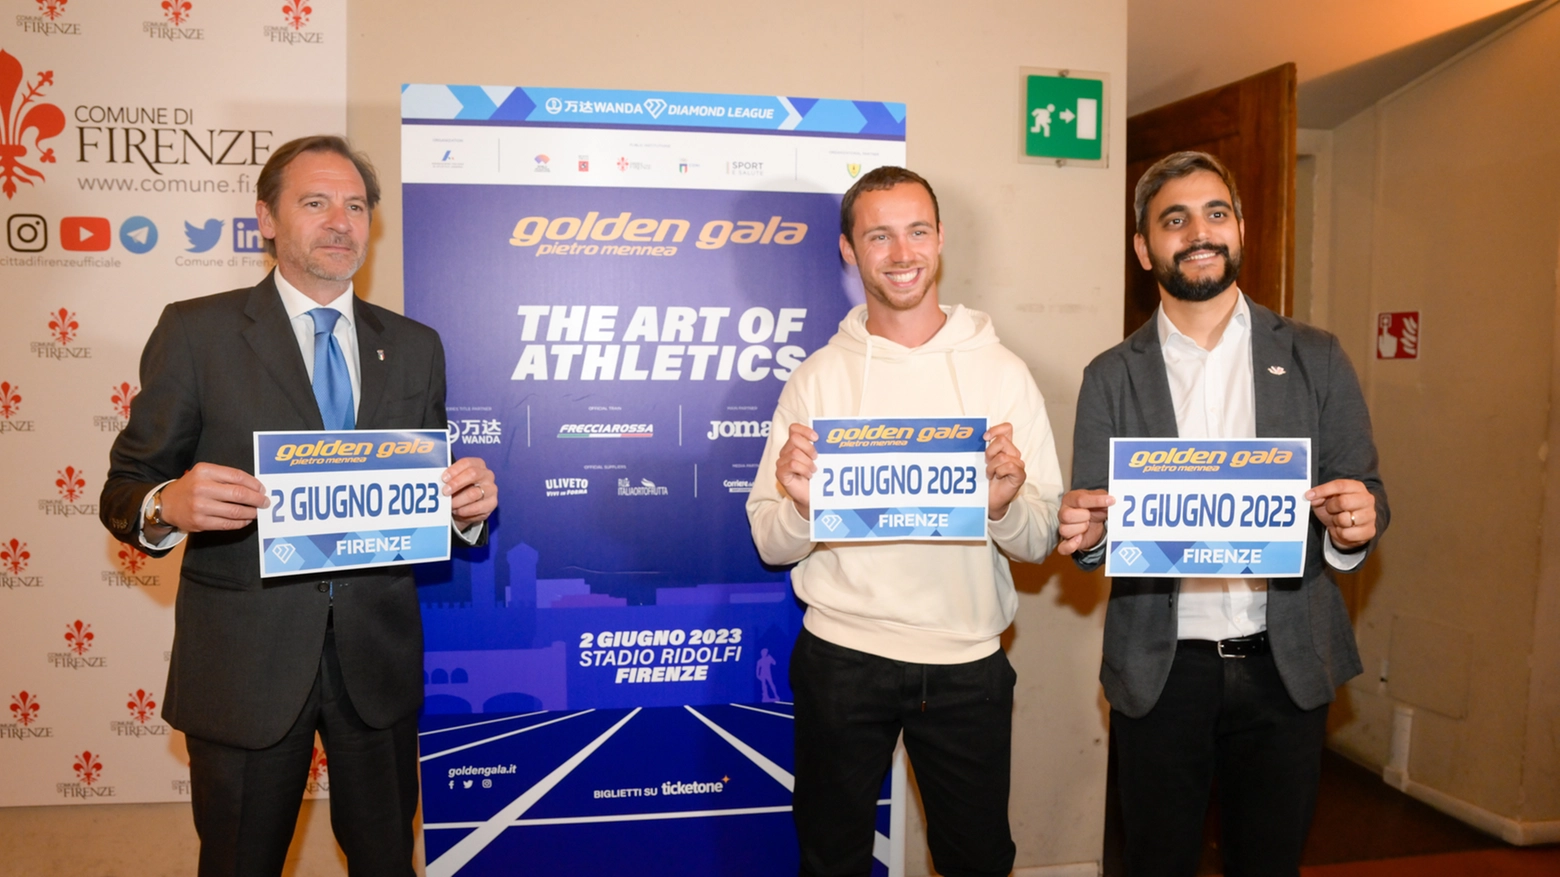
1250 126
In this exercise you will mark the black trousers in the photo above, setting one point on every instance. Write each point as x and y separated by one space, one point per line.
850 709
246 800
1224 718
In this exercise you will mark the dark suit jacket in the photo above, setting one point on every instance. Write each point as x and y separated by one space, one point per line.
1315 393
245 651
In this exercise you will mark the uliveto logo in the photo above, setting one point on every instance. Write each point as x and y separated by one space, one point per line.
78 641
10 406
566 486
63 329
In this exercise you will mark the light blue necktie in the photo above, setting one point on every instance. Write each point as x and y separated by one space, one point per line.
332 381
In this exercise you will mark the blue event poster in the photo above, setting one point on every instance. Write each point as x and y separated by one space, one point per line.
623 281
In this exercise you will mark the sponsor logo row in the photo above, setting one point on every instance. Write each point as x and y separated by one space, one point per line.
30 233
175 20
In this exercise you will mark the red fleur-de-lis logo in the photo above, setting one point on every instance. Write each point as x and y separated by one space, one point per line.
63 325
141 706
88 767
52 9
45 120
318 766
10 399
297 14
14 556
132 559
121 398
78 637
24 708
70 483
176 11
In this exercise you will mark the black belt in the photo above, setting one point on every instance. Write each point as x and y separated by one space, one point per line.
1234 647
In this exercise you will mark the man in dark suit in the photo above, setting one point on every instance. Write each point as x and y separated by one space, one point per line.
259 666
1217 677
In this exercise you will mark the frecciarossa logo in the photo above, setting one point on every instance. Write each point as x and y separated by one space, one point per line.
584 234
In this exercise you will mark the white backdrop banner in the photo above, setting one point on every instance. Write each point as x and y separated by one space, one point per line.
131 135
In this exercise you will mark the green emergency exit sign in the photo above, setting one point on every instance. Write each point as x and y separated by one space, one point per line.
1064 117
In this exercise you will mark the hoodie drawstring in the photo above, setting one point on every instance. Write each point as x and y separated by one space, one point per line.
866 376
923 688
958 391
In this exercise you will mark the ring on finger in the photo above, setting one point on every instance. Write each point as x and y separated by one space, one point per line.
1352 521
480 491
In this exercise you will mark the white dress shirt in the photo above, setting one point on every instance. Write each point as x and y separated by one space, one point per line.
298 306
1213 394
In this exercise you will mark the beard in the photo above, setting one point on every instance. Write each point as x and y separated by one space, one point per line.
1175 282
330 268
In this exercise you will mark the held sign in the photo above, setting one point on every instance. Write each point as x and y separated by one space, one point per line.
352 499
888 478
1198 507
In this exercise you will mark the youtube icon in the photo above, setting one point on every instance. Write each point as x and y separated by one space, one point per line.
85 233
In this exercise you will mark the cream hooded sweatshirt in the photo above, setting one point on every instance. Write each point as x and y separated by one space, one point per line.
922 602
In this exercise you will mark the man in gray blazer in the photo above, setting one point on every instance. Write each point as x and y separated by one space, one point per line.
1215 677
258 666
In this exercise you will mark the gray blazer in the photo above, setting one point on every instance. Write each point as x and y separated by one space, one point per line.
246 650
1315 393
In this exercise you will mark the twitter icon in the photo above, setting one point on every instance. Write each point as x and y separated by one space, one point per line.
203 237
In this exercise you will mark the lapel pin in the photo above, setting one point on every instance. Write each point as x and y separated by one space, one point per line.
1272 369
382 356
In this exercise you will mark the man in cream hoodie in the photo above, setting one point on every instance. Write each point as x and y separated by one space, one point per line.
903 636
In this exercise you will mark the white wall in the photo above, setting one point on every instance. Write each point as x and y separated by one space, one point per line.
1447 201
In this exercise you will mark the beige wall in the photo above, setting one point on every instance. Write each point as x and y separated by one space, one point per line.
1036 246
1447 201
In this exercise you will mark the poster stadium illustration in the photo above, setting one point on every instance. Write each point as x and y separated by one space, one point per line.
623 281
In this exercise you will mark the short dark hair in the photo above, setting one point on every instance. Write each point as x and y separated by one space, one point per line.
1174 166
269 187
876 180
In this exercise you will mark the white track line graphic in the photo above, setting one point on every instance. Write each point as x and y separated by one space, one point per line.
467 847
742 706
621 817
465 746
880 846
478 724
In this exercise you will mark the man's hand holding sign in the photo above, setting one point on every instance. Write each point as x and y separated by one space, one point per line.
900 478
1344 506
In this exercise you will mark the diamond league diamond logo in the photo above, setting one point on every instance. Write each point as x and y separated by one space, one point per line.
554 105
1130 554
655 106
831 521
283 551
